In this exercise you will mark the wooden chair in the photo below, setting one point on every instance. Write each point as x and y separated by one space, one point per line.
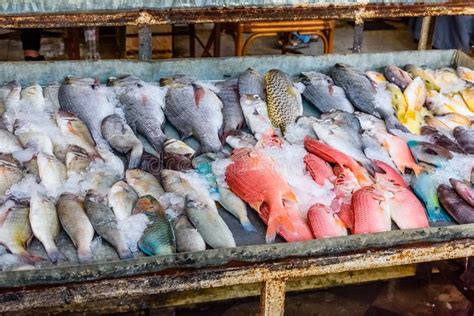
323 28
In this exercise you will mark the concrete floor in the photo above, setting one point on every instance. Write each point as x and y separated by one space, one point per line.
395 39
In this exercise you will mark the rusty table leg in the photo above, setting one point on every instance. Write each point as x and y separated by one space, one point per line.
145 42
272 298
358 35
425 29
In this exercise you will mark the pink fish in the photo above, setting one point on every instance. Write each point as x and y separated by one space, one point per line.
324 222
405 208
390 174
345 185
319 169
371 214
253 176
400 154
333 155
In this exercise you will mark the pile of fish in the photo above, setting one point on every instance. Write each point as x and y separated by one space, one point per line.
85 159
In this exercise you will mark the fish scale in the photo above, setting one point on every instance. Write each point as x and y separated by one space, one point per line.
283 99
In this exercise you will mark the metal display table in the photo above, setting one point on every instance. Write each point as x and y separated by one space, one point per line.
252 268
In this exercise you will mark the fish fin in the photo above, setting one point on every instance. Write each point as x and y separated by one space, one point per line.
85 255
247 225
135 156
55 254
277 218
256 205
29 258
416 169
290 196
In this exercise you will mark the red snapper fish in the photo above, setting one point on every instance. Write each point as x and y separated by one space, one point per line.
253 177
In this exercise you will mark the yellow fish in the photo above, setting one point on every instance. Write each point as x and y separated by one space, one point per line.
465 74
376 77
468 97
399 103
415 96
425 75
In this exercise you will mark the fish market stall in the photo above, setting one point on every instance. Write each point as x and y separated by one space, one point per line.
114 245
143 13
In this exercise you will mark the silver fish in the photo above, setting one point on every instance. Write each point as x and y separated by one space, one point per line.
9 143
40 142
52 172
10 172
322 93
175 146
122 199
144 183
239 139
75 222
143 104
121 137
45 224
252 102
234 205
77 159
51 94
187 237
104 222
15 229
364 96
75 131
195 110
33 95
88 100
344 139
232 112
208 222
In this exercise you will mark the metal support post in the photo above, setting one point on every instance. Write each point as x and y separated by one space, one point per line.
358 35
272 297
145 42
425 30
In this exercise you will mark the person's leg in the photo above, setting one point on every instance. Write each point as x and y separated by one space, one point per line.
31 42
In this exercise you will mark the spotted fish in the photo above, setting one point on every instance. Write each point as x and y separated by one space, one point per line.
284 102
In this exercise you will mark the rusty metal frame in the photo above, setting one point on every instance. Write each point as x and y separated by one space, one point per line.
272 276
147 17
234 14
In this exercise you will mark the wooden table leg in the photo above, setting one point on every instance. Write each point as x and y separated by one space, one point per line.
217 40
72 43
272 298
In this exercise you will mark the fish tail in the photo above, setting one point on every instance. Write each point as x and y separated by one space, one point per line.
247 225
360 174
85 255
135 156
125 253
55 254
278 218
392 123
437 214
28 257
417 169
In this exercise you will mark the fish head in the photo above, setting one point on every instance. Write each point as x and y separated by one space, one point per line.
171 178
96 197
34 90
178 147
124 81
68 196
7 161
147 204
193 201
